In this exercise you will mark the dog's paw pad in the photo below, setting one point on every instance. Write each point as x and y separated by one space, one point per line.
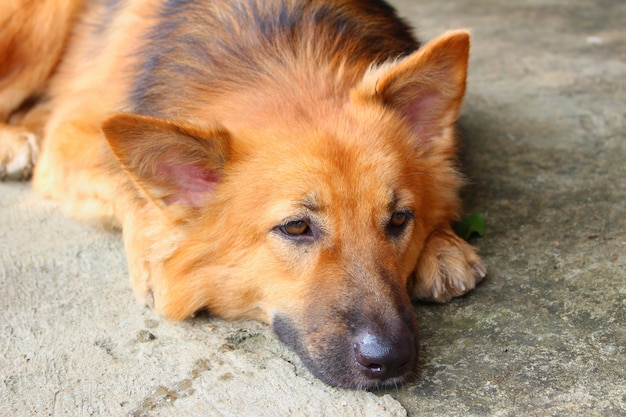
447 268
18 153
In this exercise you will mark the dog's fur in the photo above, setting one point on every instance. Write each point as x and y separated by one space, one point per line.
291 161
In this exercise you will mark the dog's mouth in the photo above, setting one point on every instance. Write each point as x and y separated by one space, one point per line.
369 358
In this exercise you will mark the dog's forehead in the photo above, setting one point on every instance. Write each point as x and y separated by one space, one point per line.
321 175
361 162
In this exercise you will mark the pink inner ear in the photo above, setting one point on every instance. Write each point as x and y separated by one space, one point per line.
421 112
192 184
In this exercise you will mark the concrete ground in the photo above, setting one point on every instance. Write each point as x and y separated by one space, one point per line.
544 125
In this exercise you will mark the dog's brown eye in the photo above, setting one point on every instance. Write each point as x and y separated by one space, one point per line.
397 223
399 219
296 228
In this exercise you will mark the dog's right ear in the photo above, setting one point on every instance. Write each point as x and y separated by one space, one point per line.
173 162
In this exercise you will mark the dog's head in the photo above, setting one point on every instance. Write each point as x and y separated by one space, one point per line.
314 225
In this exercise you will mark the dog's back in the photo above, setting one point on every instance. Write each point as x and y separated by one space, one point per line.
166 57
225 46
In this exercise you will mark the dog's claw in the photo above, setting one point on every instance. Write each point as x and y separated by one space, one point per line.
435 293
150 299
480 270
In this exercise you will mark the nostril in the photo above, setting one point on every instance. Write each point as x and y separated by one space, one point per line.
383 357
366 361
375 367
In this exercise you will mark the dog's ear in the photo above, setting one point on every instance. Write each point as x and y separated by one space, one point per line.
173 162
426 87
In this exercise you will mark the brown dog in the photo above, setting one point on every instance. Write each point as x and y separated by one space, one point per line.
291 161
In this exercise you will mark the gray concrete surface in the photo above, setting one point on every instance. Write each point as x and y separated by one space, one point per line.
545 146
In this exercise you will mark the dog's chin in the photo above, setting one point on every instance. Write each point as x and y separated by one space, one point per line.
334 362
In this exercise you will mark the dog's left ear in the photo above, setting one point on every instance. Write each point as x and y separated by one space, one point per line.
426 88
174 163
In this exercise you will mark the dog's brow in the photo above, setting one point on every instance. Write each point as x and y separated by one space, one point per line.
394 201
310 202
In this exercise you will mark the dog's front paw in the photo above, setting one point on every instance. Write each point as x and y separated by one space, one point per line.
18 153
448 267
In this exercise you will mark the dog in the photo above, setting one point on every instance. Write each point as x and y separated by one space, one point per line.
289 161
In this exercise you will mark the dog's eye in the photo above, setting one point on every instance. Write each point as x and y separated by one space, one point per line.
399 219
297 229
398 222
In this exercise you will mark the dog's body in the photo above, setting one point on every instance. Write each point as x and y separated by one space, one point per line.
290 161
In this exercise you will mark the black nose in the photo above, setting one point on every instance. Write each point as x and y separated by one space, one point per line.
383 357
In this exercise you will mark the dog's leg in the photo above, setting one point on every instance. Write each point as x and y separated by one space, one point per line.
448 267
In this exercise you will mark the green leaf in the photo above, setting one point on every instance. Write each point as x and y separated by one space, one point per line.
471 224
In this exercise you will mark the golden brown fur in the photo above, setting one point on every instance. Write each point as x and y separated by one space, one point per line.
289 161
